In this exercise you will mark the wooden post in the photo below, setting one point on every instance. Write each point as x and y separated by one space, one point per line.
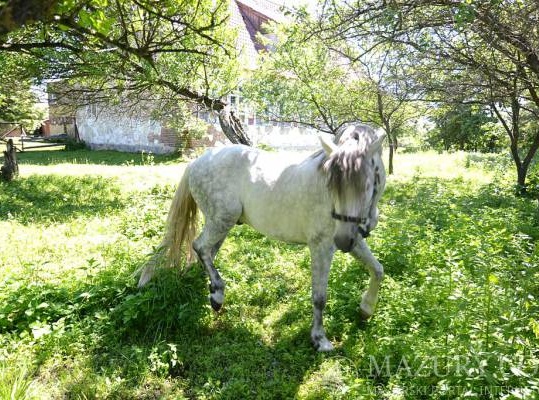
10 169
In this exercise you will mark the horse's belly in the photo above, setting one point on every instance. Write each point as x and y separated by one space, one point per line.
281 199
286 217
278 228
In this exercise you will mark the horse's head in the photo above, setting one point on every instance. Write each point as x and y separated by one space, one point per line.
353 167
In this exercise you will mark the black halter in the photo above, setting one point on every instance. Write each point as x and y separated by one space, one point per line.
347 218
357 220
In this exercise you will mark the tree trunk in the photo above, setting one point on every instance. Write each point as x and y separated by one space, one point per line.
391 151
523 165
232 127
387 128
521 168
513 131
522 171
10 169
230 124
16 13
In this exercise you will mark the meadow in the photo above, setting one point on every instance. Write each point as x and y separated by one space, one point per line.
457 318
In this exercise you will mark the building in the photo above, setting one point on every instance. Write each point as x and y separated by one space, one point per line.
113 128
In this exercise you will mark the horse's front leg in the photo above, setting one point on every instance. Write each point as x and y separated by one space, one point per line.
376 271
321 256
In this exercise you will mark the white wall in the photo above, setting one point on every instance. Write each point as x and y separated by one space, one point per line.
113 131
287 138
102 129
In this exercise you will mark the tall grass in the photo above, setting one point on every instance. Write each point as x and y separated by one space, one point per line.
457 316
15 382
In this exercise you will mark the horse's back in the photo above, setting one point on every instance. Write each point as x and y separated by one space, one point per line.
238 166
276 193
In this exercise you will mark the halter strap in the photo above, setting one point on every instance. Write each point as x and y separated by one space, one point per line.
347 218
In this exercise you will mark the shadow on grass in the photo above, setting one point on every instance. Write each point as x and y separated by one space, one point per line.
100 157
53 198
436 238
259 347
162 341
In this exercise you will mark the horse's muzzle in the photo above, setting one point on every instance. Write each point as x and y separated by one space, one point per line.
344 243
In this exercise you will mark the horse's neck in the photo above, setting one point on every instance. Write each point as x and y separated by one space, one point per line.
306 171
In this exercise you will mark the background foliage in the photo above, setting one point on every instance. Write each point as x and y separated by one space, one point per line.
17 100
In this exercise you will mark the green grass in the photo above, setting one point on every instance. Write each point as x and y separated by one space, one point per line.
457 318
105 157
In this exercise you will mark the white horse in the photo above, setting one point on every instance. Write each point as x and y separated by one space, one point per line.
327 201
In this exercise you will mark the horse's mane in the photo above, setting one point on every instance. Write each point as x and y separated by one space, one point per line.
345 166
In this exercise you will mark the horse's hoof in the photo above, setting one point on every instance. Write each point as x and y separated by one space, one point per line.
324 345
215 305
321 343
364 315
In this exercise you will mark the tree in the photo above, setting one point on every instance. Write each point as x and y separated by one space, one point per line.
300 80
178 51
321 84
465 127
390 104
477 51
16 13
17 100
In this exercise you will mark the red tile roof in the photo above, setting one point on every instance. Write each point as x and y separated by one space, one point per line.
248 16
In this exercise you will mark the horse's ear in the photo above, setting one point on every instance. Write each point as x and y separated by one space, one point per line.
328 146
376 145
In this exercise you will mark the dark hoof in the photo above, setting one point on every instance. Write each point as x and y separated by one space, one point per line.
323 345
363 316
216 306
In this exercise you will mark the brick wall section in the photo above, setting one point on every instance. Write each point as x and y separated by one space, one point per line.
169 137
212 138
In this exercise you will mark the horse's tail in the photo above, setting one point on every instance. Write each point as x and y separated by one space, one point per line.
179 234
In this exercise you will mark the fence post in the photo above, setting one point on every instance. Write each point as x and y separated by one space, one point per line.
10 169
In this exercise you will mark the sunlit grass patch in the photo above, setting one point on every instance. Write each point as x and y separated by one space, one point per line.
472 167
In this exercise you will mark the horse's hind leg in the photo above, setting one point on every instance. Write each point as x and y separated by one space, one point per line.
206 246
368 302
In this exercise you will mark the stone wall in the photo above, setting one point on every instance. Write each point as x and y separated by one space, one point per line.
112 131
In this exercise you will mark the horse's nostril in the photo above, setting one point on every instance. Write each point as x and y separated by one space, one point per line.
364 232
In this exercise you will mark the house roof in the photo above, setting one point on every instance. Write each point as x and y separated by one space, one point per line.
248 16
270 9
